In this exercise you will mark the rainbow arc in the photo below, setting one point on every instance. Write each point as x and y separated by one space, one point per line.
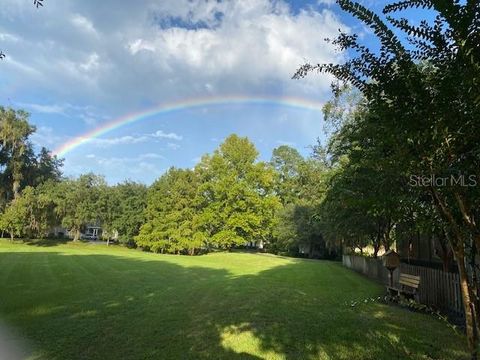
182 105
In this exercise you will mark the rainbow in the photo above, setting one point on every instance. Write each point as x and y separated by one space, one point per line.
182 105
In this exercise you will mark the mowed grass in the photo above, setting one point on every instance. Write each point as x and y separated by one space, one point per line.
93 302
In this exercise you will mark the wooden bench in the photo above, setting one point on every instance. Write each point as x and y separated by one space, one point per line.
408 286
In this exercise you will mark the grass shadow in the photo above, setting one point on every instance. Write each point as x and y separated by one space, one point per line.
45 242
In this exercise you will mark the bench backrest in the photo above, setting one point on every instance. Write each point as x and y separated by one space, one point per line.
409 280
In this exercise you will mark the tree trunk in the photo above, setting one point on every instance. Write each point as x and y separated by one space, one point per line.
376 248
11 236
468 289
192 251
386 245
468 305
16 189
386 237
77 235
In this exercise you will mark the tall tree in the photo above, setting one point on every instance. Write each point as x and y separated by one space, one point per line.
170 214
287 162
20 166
77 202
47 167
300 185
236 195
14 132
127 201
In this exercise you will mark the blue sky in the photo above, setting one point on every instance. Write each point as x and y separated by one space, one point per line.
75 65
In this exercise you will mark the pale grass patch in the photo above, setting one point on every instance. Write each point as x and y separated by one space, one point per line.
241 340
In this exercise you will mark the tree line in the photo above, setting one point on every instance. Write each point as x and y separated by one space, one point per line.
228 199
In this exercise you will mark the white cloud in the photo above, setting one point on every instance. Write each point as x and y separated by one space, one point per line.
83 24
134 139
123 54
122 140
162 135
139 45
7 37
326 2
91 63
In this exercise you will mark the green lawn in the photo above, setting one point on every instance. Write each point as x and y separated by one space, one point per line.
93 302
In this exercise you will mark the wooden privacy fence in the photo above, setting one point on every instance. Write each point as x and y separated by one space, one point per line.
437 288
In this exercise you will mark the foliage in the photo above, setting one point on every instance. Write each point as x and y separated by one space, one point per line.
76 202
14 132
128 201
300 186
297 227
20 166
287 162
236 195
170 214
14 220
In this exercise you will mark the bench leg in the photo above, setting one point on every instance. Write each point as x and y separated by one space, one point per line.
393 292
416 297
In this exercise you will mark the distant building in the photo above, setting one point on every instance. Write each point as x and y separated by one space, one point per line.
89 232
92 232
256 244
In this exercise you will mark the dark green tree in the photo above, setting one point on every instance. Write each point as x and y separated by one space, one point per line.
14 132
77 202
130 201
20 166
287 162
170 214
